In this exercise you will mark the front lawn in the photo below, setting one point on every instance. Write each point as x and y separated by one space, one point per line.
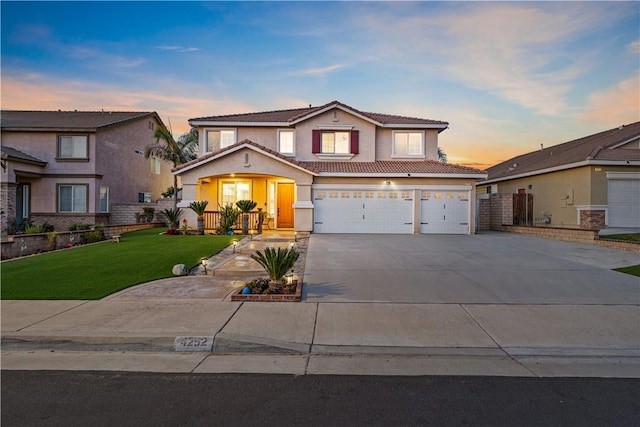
631 237
633 270
95 271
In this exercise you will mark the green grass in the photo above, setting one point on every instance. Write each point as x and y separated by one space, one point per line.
95 271
633 270
632 237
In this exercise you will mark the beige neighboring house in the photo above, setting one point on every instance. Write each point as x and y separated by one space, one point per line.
66 167
591 182
332 169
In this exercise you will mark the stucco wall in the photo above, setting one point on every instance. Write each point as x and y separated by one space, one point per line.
384 142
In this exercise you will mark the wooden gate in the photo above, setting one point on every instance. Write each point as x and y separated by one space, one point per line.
523 209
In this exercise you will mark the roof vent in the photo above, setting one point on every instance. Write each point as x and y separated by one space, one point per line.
620 127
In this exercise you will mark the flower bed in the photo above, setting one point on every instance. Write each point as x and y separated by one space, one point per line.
279 297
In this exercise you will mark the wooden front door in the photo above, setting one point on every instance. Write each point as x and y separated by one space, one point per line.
285 205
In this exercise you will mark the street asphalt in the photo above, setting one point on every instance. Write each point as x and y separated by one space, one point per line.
495 304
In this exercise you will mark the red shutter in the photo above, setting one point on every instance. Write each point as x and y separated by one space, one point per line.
315 141
355 141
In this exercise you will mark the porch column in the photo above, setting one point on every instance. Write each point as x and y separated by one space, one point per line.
303 208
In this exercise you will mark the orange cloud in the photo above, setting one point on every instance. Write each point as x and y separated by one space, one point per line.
616 105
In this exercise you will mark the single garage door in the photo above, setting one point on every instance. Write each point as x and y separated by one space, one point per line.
349 211
624 202
444 212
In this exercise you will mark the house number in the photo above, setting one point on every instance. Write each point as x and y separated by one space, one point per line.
193 343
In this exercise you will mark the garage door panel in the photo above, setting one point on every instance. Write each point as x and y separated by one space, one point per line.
624 202
444 212
362 212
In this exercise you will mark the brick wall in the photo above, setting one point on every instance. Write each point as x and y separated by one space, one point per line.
125 213
574 235
501 210
592 219
8 199
484 213
62 222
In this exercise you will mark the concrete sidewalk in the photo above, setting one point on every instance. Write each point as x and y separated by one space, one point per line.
593 330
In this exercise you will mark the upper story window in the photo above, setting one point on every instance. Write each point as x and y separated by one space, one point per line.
73 147
286 142
408 144
155 165
335 143
220 138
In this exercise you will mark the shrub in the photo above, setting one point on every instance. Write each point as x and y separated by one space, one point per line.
199 207
93 236
80 226
276 263
33 229
173 232
228 218
173 216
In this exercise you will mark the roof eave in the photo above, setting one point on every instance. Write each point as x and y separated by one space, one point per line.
205 123
401 175
331 107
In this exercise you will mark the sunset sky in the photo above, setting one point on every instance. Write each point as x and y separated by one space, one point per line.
507 76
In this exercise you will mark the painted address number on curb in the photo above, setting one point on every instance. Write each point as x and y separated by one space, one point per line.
193 343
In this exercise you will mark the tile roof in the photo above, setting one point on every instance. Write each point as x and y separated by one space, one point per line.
391 167
295 114
68 120
599 146
349 167
13 154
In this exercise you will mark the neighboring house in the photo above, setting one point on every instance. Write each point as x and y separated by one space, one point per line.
590 182
66 167
332 169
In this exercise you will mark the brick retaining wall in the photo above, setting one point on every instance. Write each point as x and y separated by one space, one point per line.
575 235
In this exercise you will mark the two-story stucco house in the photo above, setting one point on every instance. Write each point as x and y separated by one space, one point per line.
66 167
332 169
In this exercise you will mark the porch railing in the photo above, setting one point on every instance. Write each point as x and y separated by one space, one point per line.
212 220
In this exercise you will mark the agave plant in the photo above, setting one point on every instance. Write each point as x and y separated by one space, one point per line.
245 206
199 207
173 216
276 262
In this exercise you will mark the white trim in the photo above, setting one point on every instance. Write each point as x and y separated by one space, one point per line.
620 144
339 107
336 127
563 167
305 204
604 208
402 175
623 175
293 132
415 126
334 156
422 153
206 123
233 150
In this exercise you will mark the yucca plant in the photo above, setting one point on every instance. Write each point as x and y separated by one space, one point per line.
199 207
276 262
173 216
245 207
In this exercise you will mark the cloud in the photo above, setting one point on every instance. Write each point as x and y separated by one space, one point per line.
37 92
319 71
634 47
177 48
616 105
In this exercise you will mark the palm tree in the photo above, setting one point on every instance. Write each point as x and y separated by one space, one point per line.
177 152
199 208
442 156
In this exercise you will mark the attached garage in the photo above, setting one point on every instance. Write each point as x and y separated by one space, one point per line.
363 211
624 199
444 212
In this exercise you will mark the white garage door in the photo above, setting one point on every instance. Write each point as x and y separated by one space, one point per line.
348 211
444 212
624 202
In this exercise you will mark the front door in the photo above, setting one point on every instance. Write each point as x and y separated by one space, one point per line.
23 208
285 205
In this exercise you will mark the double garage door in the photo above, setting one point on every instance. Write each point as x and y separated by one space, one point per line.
388 211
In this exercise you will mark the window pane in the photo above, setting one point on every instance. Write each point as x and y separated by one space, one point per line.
286 142
79 198
400 144
213 140
64 198
328 142
342 142
226 138
104 199
243 191
73 147
228 193
414 145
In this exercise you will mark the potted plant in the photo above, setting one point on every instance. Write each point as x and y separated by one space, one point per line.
199 207
173 217
245 207
228 218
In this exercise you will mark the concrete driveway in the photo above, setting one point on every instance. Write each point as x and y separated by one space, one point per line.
488 268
